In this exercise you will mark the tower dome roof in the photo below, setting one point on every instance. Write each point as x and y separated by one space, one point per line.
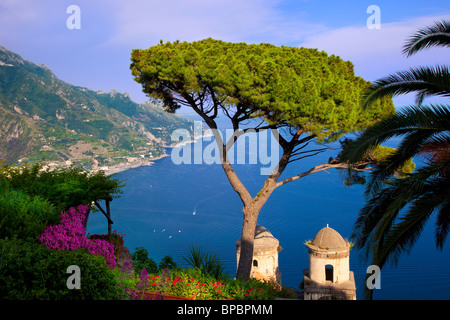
329 239
263 240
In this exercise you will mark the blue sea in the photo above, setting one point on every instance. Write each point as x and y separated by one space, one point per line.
166 208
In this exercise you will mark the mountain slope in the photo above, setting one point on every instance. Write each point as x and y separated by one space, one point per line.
42 117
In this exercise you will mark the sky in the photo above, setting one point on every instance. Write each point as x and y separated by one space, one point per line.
97 55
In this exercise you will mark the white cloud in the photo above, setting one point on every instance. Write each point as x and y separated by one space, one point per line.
18 11
228 20
378 52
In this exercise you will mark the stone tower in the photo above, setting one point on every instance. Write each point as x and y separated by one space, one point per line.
329 276
265 256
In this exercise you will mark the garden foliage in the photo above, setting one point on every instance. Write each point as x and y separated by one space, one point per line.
30 270
63 187
23 216
39 240
192 282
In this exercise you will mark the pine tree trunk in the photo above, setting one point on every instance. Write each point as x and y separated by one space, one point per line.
247 241
252 206
251 213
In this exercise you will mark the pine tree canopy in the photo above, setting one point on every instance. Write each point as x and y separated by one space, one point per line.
286 86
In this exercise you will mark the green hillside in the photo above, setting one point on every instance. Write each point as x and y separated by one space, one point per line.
44 118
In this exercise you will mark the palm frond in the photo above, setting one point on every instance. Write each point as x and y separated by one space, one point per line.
431 119
401 236
442 223
436 35
437 150
426 81
377 208
398 216
382 209
381 226
410 146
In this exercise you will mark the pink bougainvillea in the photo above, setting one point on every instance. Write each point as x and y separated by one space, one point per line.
70 235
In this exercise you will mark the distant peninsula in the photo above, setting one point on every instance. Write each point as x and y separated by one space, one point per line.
43 118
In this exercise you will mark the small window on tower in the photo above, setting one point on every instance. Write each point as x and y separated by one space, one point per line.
329 272
255 263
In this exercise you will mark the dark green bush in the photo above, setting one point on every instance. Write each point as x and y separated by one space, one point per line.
141 260
30 270
23 216
167 263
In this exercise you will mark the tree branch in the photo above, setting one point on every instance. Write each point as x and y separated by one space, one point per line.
103 211
298 152
307 156
323 167
238 133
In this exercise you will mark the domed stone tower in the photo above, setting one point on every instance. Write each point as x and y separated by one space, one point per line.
329 276
265 256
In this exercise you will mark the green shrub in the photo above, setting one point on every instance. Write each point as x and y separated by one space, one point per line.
23 216
167 263
29 270
64 187
141 260
209 264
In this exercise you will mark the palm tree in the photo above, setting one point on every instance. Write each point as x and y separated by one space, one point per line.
397 209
